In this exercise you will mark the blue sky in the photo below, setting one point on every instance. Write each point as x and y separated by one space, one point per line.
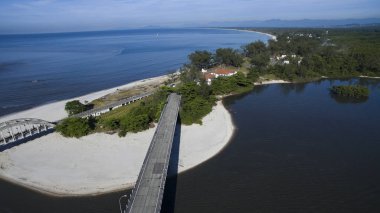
23 16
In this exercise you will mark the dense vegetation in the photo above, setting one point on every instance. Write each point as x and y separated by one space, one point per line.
197 102
296 55
318 52
350 91
74 127
139 117
74 107
229 57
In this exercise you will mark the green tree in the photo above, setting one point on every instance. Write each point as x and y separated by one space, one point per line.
255 48
350 91
190 73
227 85
229 56
196 102
74 107
134 122
74 127
201 59
260 60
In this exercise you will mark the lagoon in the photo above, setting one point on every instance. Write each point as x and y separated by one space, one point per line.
296 149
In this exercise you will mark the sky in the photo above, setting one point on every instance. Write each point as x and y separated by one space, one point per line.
31 16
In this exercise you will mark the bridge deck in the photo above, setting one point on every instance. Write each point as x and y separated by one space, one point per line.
147 194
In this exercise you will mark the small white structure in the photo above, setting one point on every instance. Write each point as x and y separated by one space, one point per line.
209 77
286 62
204 70
281 57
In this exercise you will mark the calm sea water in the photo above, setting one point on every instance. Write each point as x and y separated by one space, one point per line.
296 149
37 69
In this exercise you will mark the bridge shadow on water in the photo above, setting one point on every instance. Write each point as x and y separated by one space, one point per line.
168 202
25 140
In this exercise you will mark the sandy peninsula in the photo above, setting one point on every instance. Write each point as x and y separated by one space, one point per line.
272 37
102 163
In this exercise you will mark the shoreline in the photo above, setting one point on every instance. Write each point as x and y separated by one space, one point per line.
371 77
273 37
192 154
195 149
57 170
58 106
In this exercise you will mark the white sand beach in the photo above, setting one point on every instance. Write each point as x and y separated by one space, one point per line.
272 82
364 76
273 37
102 163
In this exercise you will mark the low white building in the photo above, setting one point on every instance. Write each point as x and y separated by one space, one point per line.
220 72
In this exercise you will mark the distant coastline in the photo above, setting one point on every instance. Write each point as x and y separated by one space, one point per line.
273 37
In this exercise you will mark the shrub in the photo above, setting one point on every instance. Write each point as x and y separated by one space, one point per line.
350 91
74 127
196 102
227 85
74 107
134 123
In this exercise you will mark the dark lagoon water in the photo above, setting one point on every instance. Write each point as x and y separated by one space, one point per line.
41 68
296 149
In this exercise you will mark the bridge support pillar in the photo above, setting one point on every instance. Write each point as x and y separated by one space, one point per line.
2 136
21 131
11 131
30 131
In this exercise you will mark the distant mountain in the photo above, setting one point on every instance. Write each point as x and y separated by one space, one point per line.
299 23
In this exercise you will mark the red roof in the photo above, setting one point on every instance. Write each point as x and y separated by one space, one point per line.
209 76
222 71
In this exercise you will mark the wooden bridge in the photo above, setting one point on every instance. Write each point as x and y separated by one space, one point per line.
148 192
14 130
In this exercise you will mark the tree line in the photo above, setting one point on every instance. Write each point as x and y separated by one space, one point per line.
333 54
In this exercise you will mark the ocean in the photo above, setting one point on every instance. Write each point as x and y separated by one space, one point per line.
42 68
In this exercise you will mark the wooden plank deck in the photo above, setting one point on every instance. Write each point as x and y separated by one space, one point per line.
147 195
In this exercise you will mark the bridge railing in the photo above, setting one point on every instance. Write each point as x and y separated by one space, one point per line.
101 110
14 130
132 197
